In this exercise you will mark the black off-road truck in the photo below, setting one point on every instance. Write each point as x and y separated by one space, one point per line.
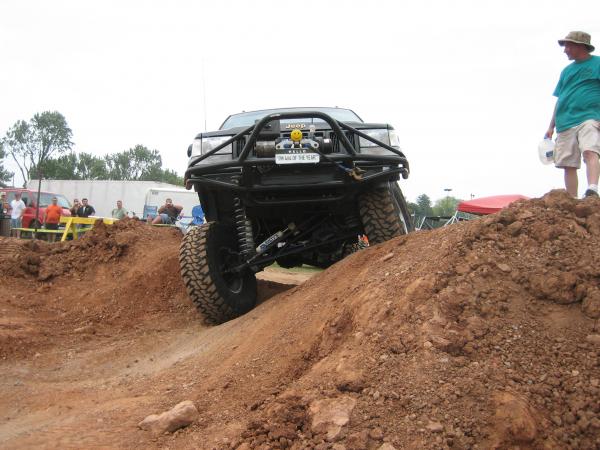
293 186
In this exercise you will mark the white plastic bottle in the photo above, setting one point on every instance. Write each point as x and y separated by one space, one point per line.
546 151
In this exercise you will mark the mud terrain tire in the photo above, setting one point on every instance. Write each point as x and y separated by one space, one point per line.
205 251
384 213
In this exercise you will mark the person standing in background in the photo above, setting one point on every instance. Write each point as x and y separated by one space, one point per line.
85 210
119 212
75 207
4 204
52 218
576 115
17 207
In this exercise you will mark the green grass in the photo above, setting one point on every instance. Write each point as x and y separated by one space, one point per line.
302 269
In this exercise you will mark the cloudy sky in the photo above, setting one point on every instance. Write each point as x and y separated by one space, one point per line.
467 84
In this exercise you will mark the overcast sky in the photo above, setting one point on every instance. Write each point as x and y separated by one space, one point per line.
467 84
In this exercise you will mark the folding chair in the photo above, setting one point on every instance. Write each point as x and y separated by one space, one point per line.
197 215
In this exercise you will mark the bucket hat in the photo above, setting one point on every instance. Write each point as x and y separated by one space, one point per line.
578 37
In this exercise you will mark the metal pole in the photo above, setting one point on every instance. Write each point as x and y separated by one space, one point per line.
37 204
204 92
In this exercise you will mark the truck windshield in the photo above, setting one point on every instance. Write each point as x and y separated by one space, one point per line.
249 118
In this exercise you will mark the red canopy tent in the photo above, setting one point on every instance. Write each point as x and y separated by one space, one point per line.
488 205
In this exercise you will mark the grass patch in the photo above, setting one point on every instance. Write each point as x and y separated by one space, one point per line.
304 268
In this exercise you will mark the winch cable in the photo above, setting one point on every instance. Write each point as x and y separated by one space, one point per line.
355 172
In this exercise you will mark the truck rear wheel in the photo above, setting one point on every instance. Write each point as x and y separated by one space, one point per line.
384 213
206 254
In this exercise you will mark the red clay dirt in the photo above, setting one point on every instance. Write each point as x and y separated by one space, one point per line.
483 334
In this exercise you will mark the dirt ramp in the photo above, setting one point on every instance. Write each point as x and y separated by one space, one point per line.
448 339
116 279
483 334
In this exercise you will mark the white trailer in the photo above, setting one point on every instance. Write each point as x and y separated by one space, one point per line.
103 194
156 196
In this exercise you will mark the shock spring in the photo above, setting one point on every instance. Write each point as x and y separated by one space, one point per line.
243 229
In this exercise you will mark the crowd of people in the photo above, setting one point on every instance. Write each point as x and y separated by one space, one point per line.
52 213
167 214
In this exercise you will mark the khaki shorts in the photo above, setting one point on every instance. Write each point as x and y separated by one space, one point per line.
571 143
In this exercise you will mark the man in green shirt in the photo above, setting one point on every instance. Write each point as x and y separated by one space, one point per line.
577 114
119 212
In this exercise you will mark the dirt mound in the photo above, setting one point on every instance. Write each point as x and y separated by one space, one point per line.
102 244
483 334
108 281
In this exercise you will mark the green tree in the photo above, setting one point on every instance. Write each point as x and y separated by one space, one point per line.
171 177
137 163
31 144
90 167
4 174
61 168
73 166
445 206
424 205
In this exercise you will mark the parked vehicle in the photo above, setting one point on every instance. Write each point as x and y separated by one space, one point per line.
29 197
156 196
293 186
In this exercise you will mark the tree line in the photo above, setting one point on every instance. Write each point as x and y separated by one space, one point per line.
423 207
43 147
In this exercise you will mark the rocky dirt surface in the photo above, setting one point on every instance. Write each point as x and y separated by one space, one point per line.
484 334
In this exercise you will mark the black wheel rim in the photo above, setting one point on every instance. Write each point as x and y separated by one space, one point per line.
227 260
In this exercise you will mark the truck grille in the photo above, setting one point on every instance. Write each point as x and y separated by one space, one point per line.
337 145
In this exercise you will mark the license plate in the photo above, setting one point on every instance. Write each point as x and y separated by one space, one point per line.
296 158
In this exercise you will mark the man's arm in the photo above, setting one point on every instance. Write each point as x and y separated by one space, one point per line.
550 131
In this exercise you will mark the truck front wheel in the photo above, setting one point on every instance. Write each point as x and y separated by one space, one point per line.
207 255
384 213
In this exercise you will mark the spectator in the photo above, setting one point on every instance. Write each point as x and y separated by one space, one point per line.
167 213
52 218
75 207
4 206
576 115
119 212
17 207
85 210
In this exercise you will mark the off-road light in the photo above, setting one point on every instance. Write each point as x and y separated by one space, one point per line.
296 135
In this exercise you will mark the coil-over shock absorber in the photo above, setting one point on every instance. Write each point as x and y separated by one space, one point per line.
243 229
